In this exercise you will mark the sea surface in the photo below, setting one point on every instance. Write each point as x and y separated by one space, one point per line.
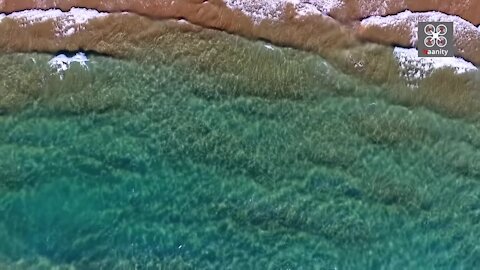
286 163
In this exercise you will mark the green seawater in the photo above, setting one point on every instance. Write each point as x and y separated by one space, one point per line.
140 165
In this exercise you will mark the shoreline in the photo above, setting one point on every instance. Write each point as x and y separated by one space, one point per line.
119 34
293 23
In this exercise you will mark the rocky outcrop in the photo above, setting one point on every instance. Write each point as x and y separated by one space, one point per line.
401 29
312 33
296 23
353 10
343 10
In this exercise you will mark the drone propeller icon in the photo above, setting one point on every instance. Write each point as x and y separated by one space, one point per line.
435 35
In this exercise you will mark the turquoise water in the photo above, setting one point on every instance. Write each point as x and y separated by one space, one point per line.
134 165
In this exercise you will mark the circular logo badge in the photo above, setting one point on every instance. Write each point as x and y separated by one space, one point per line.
429 41
441 41
441 29
429 29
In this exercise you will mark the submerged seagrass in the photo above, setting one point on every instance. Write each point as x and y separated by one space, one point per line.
235 157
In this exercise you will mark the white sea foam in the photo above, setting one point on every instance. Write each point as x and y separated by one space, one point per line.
464 30
377 7
414 67
183 21
273 9
61 62
268 46
67 23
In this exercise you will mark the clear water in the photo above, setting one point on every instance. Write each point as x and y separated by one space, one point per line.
134 165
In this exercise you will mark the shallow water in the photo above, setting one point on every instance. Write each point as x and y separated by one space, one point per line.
136 164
